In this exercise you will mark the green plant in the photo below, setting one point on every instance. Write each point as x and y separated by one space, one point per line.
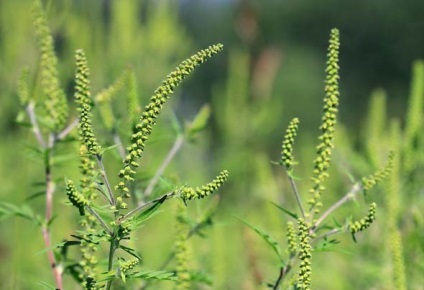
313 231
105 219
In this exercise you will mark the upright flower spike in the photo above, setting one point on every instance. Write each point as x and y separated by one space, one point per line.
287 147
326 139
82 98
148 118
369 182
56 105
181 249
189 193
291 239
305 249
364 223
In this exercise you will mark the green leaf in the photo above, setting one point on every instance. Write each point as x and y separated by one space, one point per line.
266 237
201 277
199 122
24 211
130 251
156 275
149 213
293 215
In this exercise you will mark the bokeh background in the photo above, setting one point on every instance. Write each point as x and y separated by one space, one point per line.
271 70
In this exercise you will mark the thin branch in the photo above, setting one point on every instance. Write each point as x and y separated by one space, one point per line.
117 141
147 204
65 132
106 180
30 109
296 194
99 218
171 154
57 273
349 196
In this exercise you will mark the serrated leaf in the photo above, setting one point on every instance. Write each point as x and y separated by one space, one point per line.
266 237
130 251
293 215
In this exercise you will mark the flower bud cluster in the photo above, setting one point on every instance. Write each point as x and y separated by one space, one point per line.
305 249
331 102
287 147
148 118
364 223
83 100
76 198
369 182
189 193
55 105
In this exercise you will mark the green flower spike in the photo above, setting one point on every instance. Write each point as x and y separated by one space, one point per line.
369 182
287 147
76 198
291 239
56 105
364 223
331 102
148 118
82 98
188 193
304 279
181 249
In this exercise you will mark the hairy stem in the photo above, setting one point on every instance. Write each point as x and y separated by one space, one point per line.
349 196
99 218
114 244
65 132
57 273
118 142
106 180
171 154
297 195
30 109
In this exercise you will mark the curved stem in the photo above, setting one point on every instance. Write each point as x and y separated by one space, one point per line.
106 180
349 196
171 154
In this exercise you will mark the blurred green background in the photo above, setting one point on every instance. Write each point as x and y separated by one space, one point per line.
272 70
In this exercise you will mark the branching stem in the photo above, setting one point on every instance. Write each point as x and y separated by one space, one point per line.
171 154
106 180
296 194
349 196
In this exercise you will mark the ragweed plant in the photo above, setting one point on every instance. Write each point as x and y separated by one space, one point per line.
310 220
104 210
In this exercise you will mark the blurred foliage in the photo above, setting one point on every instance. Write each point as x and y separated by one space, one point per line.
273 71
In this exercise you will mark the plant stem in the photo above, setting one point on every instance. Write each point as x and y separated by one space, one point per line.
171 154
114 244
106 180
48 213
65 132
117 140
35 128
349 196
99 218
297 195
